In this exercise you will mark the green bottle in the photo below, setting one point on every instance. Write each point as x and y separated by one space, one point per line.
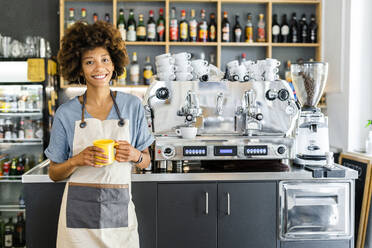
141 29
121 25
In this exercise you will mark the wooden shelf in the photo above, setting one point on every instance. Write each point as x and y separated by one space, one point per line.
245 1
245 44
193 1
296 1
141 1
145 43
295 44
175 43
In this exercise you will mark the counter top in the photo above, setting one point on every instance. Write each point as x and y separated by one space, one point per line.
39 174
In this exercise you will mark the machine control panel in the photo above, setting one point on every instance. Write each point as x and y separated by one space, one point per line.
195 151
225 150
255 150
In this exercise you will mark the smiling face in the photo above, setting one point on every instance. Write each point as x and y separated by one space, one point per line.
97 67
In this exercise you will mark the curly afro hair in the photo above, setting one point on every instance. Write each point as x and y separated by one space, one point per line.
81 38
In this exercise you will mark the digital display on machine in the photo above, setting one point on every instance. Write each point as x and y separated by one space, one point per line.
255 150
194 151
225 150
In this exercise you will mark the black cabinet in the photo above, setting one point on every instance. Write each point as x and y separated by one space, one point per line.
210 215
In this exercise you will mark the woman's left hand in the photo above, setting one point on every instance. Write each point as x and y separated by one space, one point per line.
125 152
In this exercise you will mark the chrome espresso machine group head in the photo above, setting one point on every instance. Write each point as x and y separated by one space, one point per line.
235 121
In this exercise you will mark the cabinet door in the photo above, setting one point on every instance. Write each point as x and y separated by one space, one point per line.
144 199
187 215
247 215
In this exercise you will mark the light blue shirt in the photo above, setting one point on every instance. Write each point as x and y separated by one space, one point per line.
62 135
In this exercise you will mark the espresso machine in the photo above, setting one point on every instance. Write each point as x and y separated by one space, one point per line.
312 142
235 121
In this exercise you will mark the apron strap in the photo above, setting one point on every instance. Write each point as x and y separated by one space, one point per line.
83 123
121 120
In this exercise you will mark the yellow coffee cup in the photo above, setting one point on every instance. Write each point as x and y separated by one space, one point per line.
108 146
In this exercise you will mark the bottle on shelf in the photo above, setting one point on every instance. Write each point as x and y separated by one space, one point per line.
293 29
122 77
212 29
2 124
29 130
141 29
20 165
173 26
184 27
303 29
243 58
275 30
151 27
284 30
261 29
8 234
21 129
203 27
95 17
71 18
39 129
6 166
249 29
13 167
193 24
237 33
287 72
83 16
107 17
225 28
147 71
19 231
121 25
313 30
132 26
160 26
212 59
134 70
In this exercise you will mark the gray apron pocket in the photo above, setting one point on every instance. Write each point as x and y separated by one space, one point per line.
97 206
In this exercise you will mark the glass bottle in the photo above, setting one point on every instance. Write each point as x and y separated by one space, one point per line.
21 129
134 70
95 17
151 27
173 27
293 29
107 17
8 233
237 34
19 231
212 29
71 18
313 30
147 71
141 29
225 28
203 27
121 25
184 27
275 30
83 17
122 77
13 167
284 30
193 24
261 29
160 26
131 33
249 29
303 29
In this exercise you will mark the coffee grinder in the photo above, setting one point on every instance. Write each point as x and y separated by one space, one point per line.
312 143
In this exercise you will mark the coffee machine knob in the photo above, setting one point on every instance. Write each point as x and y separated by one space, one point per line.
271 95
281 150
259 117
168 152
283 95
162 93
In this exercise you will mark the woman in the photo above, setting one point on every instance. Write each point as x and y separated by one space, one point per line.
96 209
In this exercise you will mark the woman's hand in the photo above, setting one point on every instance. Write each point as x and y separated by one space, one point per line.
125 152
88 157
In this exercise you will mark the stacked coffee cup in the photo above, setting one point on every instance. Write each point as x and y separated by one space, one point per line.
201 70
271 69
183 67
237 72
165 67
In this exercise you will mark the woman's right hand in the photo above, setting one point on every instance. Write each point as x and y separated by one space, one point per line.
88 157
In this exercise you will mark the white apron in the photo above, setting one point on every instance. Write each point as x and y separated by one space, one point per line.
97 209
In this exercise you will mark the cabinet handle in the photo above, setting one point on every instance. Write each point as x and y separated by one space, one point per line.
228 203
206 203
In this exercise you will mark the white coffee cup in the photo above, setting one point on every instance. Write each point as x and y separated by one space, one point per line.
187 132
182 56
162 56
183 76
240 73
232 64
166 68
165 76
164 61
272 62
199 62
184 69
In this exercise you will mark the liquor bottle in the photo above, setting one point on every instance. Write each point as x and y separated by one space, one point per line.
160 26
184 27
237 34
287 72
147 71
29 131
39 129
8 233
141 29
193 27
225 28
261 29
83 17
212 29
249 29
173 27
122 77
303 29
132 26
313 30
20 165
71 18
203 27
275 29
121 25
19 231
21 129
95 17
134 70
107 17
293 29
13 167
243 58
284 30
151 27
